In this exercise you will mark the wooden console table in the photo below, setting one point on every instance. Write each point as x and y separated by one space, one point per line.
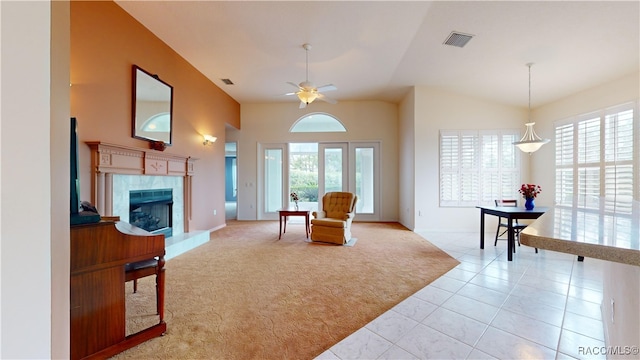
99 253
291 211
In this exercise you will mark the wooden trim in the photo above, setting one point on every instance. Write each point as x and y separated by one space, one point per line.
108 159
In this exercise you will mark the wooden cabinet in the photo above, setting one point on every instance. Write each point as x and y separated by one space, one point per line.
99 253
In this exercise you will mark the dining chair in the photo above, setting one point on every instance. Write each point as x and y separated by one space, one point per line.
503 223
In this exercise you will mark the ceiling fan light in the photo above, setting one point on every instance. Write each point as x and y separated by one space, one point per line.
307 97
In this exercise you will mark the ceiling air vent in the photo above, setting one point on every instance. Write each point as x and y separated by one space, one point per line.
458 39
227 81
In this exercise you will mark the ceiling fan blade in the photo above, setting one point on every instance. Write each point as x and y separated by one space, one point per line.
302 105
326 99
328 87
294 85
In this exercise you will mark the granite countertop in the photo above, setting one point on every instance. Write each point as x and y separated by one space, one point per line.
609 232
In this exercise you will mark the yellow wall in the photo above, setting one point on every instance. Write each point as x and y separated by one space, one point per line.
105 43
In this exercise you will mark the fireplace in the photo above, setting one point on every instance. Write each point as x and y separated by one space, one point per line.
152 210
118 169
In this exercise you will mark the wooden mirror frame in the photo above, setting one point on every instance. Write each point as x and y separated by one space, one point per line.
151 98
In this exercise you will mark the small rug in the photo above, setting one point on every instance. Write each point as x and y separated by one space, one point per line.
349 243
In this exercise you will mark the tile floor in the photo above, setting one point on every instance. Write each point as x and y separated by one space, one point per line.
539 306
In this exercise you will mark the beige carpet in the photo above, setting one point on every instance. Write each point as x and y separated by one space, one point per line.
247 295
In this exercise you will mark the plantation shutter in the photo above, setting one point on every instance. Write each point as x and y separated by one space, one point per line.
477 167
449 162
564 164
469 179
618 154
600 151
490 176
509 166
589 162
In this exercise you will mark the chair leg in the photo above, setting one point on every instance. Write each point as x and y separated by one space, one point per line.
495 243
135 286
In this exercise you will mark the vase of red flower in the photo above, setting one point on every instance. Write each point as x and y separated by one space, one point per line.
528 204
529 193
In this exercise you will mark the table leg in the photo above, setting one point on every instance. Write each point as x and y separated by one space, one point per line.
482 229
306 223
280 234
286 218
510 241
160 289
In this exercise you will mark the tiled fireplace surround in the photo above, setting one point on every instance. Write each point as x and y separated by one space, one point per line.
117 169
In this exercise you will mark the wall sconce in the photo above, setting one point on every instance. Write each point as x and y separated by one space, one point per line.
209 140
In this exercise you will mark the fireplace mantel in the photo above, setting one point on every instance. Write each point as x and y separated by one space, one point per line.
118 159
109 159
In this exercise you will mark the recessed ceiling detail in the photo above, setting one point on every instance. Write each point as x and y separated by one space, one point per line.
458 39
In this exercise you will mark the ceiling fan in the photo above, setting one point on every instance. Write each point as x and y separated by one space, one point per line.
307 91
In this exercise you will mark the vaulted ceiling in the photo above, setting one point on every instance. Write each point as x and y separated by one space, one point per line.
377 50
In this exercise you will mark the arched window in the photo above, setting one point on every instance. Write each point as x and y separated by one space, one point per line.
317 122
158 123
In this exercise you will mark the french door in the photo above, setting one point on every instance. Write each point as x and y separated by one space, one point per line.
332 168
350 167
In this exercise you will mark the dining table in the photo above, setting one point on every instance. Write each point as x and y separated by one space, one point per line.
510 213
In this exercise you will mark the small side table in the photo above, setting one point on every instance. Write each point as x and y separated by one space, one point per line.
292 211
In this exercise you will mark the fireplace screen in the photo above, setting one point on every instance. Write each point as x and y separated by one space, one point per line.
152 210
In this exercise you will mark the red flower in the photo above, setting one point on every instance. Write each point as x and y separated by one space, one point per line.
530 191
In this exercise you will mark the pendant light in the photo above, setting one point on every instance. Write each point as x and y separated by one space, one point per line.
530 142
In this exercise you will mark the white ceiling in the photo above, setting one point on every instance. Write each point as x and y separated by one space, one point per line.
375 50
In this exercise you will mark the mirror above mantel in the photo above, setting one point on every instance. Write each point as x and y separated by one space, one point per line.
152 107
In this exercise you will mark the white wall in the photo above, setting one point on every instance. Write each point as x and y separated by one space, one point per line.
270 123
407 160
34 225
59 150
436 110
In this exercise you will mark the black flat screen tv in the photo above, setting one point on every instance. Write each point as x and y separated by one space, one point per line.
76 214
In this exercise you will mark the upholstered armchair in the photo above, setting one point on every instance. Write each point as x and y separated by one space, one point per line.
333 223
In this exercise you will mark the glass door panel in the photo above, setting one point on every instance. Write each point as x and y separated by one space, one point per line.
365 179
271 184
273 190
303 174
333 171
333 168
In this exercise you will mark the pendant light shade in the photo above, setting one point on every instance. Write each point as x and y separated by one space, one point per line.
530 142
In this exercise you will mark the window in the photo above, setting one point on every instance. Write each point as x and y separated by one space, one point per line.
478 167
318 122
158 123
597 157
